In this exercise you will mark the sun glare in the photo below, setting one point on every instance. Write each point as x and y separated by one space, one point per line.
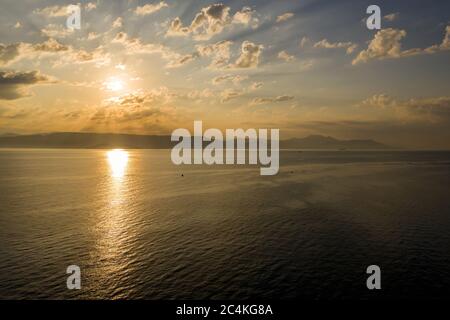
114 84
118 160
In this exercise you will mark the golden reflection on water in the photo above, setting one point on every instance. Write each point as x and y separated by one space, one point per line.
115 227
118 161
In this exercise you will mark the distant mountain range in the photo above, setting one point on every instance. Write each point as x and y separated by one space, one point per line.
132 141
323 142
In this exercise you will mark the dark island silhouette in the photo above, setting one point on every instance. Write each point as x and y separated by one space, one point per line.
133 141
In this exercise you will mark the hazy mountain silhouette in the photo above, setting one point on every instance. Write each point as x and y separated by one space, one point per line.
322 142
132 141
86 140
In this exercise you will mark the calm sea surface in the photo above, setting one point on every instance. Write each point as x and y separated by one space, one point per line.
138 229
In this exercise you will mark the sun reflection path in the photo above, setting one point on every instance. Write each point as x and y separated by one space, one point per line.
116 231
118 160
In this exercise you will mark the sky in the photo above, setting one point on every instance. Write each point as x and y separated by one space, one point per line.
302 66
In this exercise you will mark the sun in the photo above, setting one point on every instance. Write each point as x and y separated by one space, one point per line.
114 84
118 160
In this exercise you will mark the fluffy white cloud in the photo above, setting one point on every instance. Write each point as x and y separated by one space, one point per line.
249 57
200 94
285 16
53 11
445 45
135 46
392 16
277 99
118 23
63 10
307 64
246 16
150 8
256 85
229 94
283 55
234 79
349 46
90 6
176 28
158 96
56 31
62 54
381 101
220 53
182 60
304 42
415 109
387 44
92 36
211 21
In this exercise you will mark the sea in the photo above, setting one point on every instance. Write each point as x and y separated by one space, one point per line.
140 227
